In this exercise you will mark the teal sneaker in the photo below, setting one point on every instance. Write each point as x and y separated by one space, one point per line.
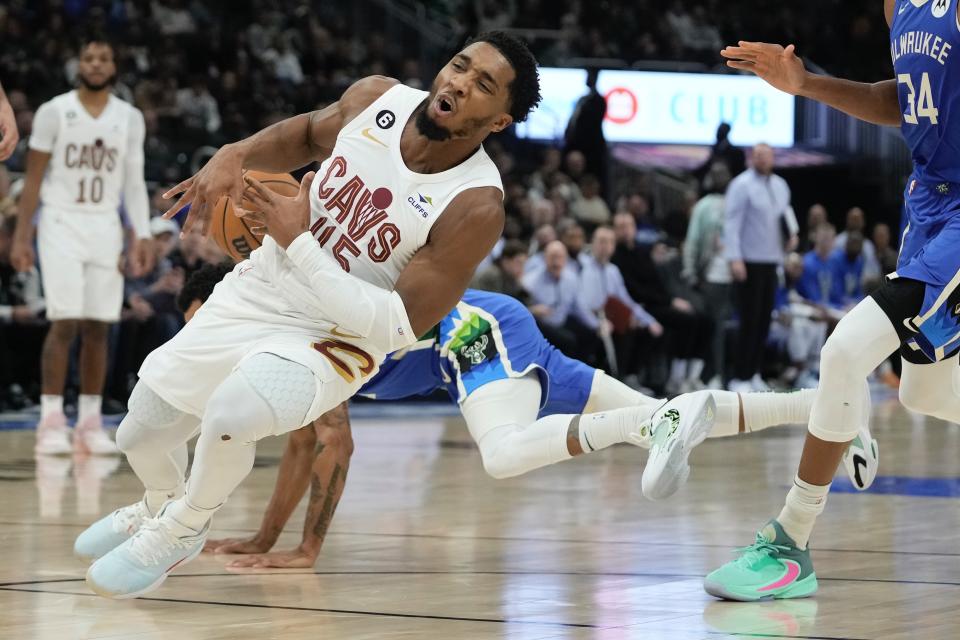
772 567
144 561
676 428
110 531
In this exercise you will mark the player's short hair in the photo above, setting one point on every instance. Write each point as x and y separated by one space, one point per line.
95 36
200 284
525 88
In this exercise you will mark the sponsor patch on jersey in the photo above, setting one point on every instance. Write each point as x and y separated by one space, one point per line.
939 8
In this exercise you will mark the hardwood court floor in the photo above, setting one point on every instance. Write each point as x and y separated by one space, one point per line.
426 546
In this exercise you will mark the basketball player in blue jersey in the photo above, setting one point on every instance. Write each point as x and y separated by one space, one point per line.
915 307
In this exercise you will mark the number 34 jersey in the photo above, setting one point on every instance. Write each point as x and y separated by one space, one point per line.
925 48
88 156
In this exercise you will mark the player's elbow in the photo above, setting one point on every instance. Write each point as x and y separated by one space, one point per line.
303 440
335 439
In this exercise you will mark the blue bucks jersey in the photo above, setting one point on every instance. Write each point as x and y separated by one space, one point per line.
924 40
486 337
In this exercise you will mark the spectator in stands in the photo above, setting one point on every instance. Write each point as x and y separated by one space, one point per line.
585 131
847 265
574 238
22 327
616 315
543 236
705 266
555 293
856 222
590 209
886 254
724 152
638 206
198 111
803 325
815 282
816 215
757 202
505 274
688 333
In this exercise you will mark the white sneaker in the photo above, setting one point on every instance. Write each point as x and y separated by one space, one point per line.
678 426
90 437
143 562
53 436
862 459
110 531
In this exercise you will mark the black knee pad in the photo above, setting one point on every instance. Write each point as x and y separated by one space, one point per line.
901 300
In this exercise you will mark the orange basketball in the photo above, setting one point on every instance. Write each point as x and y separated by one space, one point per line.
233 234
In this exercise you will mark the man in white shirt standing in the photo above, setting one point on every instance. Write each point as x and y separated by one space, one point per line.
85 159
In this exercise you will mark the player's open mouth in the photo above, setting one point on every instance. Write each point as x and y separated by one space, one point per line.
444 106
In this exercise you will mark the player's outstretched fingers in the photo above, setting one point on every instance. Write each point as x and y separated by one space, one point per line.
257 193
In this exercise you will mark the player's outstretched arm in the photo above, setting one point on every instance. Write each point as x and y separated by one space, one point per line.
22 255
327 477
284 146
780 67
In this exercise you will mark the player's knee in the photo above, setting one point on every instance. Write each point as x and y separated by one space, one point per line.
93 331
236 414
498 458
147 416
63 331
286 387
840 357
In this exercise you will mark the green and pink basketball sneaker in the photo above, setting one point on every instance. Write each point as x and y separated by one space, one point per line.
772 567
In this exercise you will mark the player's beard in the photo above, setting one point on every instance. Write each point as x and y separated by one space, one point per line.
89 86
428 128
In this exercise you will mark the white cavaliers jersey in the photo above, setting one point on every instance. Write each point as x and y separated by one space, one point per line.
367 209
88 155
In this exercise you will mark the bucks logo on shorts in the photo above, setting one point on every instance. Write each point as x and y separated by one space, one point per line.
472 342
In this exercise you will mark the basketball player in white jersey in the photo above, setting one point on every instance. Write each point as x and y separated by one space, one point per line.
85 159
370 254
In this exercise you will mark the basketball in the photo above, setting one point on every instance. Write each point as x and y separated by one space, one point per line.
232 234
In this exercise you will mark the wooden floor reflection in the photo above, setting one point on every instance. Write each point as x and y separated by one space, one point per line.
426 546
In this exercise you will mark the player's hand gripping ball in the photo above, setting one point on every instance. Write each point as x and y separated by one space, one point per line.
238 236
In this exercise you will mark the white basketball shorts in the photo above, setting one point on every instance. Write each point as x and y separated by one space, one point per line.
80 264
244 317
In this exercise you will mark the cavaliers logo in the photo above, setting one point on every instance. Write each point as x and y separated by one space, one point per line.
355 360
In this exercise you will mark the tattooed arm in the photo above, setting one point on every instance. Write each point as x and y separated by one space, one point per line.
331 459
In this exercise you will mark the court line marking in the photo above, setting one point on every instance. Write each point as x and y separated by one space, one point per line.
415 616
603 574
520 539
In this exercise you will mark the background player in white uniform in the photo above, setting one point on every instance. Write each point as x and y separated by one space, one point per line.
85 159
368 256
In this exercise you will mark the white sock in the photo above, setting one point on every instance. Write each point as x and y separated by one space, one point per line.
188 515
50 405
88 407
156 499
727 422
768 409
600 430
804 503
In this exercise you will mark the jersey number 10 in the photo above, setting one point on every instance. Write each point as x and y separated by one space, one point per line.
924 108
96 190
